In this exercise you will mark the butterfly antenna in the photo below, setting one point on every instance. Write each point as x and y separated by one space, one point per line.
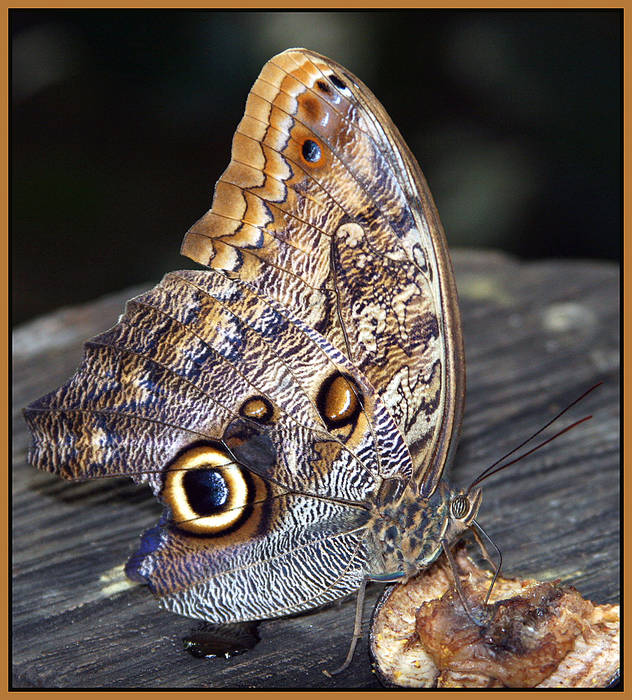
494 468
526 454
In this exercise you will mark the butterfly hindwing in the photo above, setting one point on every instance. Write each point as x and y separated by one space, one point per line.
287 473
314 554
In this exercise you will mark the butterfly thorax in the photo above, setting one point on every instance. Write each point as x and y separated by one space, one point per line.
409 530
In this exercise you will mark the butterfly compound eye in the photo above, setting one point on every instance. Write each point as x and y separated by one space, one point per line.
460 506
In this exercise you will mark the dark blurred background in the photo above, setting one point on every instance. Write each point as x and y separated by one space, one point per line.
122 122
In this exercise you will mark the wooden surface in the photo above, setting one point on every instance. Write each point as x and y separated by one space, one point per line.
536 334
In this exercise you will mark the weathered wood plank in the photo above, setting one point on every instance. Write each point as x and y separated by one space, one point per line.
537 335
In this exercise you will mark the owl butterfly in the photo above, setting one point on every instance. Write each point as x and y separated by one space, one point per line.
295 405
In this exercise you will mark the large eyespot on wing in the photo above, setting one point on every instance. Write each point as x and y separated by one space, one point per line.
210 495
324 209
340 403
233 547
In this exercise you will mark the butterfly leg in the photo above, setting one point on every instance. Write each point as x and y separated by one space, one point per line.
357 627
457 581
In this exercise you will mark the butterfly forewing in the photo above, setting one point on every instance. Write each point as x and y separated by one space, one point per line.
328 173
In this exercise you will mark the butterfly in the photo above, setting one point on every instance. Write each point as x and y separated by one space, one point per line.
295 404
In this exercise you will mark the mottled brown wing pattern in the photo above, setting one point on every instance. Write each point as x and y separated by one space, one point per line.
198 370
316 553
194 341
312 377
324 209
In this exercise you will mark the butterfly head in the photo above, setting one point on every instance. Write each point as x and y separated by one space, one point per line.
453 511
463 506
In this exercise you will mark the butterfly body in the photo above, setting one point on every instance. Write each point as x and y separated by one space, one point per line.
294 406
410 530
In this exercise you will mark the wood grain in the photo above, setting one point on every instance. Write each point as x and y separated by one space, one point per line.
536 336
